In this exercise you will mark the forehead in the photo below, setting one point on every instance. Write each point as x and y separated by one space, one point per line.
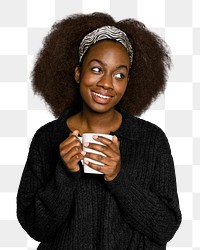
107 48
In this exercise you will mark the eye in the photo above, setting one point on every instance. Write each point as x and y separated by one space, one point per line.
96 69
120 75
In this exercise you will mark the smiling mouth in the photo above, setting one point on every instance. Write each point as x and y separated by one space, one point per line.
101 96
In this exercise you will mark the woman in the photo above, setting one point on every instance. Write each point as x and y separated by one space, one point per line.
96 74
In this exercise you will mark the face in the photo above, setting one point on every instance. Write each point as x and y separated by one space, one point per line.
103 76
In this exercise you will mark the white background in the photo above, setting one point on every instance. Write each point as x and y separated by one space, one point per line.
23 24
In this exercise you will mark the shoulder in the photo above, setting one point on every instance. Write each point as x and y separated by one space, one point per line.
153 131
44 133
46 128
142 126
136 128
145 125
57 124
53 132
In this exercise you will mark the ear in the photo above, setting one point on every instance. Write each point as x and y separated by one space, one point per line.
77 74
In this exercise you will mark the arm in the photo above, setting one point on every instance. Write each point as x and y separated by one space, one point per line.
45 194
153 211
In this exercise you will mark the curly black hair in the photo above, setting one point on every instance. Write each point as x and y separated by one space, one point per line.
53 72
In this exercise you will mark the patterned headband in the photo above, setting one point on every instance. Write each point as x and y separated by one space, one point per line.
105 32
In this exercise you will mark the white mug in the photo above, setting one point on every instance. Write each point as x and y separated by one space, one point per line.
87 137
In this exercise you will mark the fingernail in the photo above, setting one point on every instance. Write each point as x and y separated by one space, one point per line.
86 144
94 136
86 161
83 153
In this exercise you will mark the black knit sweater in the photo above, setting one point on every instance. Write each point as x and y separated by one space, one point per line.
139 209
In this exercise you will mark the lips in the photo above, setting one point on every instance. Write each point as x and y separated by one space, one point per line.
102 98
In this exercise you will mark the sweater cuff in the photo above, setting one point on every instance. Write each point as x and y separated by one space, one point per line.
65 171
119 182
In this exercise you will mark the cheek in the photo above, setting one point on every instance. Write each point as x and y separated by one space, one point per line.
88 79
86 83
121 87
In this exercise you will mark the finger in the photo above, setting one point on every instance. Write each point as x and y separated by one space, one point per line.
102 139
102 149
101 168
65 149
113 144
69 140
96 157
105 150
75 132
74 159
94 166
72 163
116 142
110 163
71 150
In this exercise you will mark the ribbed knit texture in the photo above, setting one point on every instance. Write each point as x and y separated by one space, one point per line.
139 209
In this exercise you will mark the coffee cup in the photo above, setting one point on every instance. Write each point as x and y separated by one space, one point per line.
88 138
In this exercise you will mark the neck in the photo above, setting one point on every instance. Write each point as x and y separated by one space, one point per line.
99 122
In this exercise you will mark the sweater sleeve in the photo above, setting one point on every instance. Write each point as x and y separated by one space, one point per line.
154 212
44 202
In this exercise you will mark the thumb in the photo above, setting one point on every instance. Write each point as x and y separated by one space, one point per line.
115 140
75 132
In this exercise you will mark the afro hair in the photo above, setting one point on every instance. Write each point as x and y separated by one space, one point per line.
53 72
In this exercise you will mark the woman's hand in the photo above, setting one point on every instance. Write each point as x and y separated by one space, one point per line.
112 159
70 152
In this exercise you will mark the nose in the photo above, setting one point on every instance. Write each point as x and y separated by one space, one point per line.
106 82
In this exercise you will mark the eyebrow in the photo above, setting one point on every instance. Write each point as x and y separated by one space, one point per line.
105 64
